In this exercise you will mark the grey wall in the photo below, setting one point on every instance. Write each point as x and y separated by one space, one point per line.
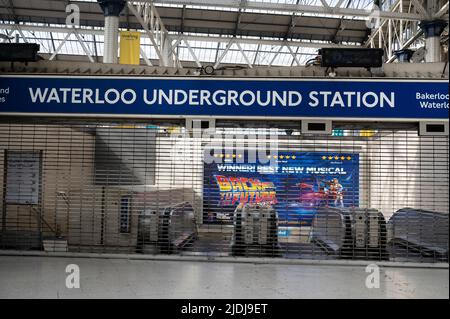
125 156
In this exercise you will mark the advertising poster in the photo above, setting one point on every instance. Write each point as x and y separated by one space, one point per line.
130 44
297 184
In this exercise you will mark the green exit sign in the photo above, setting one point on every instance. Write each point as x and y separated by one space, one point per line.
338 133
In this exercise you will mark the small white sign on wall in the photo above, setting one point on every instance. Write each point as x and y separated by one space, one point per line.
22 177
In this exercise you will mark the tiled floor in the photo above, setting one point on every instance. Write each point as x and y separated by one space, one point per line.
45 277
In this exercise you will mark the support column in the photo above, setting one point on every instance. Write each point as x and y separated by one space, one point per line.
111 10
167 52
433 30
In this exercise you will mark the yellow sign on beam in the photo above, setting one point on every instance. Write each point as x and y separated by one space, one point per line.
130 44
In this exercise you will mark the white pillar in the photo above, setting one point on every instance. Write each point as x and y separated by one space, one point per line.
433 30
111 10
111 45
433 47
167 53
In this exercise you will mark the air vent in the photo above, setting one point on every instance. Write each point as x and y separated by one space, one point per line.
200 124
317 127
433 129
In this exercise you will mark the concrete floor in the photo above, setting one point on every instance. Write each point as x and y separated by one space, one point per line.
45 277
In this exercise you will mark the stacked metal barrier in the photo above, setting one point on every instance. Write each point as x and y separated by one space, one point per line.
354 233
423 231
167 231
255 231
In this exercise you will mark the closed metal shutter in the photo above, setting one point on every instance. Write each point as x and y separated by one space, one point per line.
254 189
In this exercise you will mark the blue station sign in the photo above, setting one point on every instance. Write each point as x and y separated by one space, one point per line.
222 97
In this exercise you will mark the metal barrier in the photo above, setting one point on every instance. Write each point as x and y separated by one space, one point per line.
167 231
152 186
355 233
255 231
423 231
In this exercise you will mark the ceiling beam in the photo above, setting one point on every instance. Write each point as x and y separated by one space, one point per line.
238 21
216 39
419 7
13 11
292 8
291 24
183 18
202 21
340 24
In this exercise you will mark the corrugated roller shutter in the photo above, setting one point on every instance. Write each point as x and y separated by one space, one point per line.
367 191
